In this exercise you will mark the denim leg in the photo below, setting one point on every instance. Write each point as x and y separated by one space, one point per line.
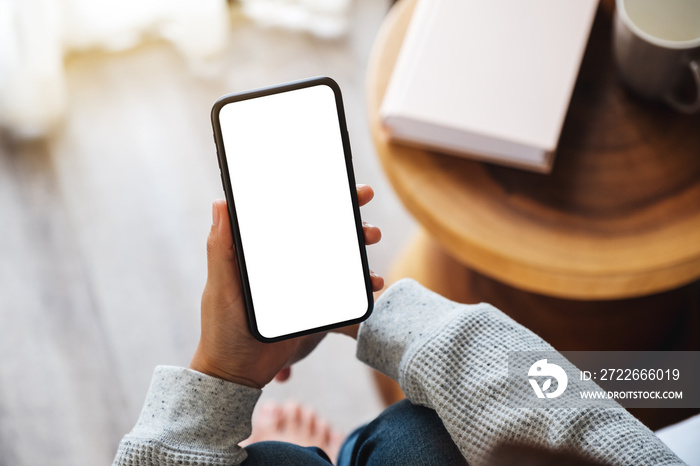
404 434
284 454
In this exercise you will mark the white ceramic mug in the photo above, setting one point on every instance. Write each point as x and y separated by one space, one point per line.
657 46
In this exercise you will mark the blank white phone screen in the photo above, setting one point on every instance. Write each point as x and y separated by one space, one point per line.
291 194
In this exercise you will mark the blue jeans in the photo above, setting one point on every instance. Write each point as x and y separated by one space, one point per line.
403 434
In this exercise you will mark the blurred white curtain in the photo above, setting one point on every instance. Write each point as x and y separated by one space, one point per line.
35 35
323 18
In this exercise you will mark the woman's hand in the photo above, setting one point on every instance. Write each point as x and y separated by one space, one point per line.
227 349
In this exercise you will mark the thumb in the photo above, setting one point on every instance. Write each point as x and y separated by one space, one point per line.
221 259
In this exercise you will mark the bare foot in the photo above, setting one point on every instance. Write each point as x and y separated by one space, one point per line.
294 423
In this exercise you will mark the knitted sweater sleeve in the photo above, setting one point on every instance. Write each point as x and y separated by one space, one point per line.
454 358
189 418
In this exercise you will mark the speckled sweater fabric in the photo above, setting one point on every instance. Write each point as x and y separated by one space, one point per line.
453 358
190 419
446 356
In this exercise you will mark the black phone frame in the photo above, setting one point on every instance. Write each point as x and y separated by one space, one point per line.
226 181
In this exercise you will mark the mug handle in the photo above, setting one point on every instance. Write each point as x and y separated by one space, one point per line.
692 107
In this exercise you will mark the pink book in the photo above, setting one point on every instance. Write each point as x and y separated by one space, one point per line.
488 79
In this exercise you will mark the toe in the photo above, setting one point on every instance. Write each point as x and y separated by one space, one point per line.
268 415
291 416
323 432
307 421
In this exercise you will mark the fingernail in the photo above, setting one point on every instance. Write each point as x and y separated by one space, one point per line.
214 214
360 187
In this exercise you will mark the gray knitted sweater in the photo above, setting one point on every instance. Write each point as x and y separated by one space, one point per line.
446 356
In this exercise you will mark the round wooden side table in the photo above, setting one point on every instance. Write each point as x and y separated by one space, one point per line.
601 254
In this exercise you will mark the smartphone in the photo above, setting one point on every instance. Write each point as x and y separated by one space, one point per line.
285 162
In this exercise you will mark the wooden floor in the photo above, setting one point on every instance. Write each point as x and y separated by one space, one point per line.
102 234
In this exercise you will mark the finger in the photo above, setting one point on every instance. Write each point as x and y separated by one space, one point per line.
377 281
284 374
221 267
372 234
365 193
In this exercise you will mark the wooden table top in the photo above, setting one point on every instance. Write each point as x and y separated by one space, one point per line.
618 217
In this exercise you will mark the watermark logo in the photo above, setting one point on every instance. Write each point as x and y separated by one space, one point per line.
603 379
544 369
